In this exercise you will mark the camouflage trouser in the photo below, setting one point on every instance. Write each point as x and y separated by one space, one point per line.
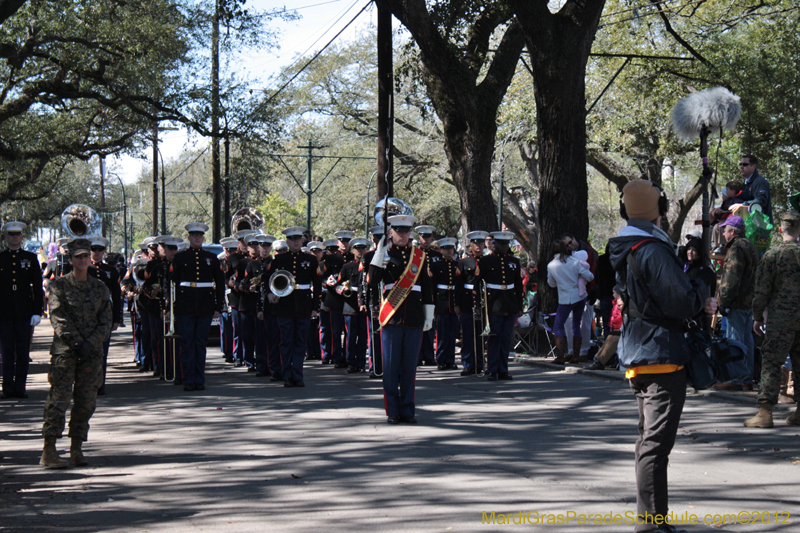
86 375
780 340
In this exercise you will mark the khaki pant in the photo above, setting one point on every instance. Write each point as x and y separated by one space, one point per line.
79 380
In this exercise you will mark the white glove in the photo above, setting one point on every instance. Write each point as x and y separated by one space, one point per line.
380 252
35 320
428 317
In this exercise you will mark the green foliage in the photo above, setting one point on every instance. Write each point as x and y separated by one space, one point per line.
280 214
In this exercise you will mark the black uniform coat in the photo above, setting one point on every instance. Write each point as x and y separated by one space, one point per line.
245 272
152 274
305 269
333 264
501 269
350 272
411 313
467 300
110 278
229 268
20 285
198 265
446 272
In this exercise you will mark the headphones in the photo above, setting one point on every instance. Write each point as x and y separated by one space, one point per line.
663 202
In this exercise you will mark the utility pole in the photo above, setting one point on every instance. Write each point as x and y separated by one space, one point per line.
309 190
216 185
102 196
385 101
226 219
154 229
163 198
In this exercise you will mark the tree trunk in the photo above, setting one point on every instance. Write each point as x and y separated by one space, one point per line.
559 45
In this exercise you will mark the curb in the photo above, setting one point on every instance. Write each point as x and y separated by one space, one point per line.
618 376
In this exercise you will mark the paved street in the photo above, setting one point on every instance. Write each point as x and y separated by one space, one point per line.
250 455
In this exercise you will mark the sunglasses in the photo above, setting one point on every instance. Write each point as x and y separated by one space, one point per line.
196 233
294 237
426 235
745 164
171 247
13 233
360 247
402 230
344 240
476 241
98 248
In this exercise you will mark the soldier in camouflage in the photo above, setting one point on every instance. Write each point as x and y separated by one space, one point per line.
778 289
80 311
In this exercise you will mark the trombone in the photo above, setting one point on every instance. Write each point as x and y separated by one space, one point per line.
170 336
478 319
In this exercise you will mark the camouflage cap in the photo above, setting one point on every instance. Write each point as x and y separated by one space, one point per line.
790 218
79 246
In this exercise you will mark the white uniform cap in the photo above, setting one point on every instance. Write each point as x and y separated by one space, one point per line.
230 244
148 241
196 226
315 245
14 226
344 234
269 239
182 246
502 235
376 230
280 244
252 240
169 240
360 241
477 235
447 241
294 230
243 234
100 241
424 230
402 221
160 238
330 243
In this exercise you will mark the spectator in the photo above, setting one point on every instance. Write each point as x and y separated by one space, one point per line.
591 288
695 268
756 187
563 272
730 195
736 292
604 278
609 348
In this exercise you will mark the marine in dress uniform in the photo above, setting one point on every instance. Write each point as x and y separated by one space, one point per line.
294 311
268 339
80 312
446 280
406 311
226 343
199 298
23 305
425 237
343 238
147 306
370 297
154 289
500 272
331 319
348 286
314 352
470 316
248 300
110 278
235 295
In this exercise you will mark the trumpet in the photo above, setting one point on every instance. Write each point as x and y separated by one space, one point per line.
254 283
171 335
346 291
282 283
487 331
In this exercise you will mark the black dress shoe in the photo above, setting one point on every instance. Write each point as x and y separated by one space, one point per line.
229 359
393 420
352 370
178 381
237 364
21 395
441 367
276 377
299 383
597 365
491 376
453 366
145 369
467 371
408 420
199 386
288 383
188 388
340 364
5 396
505 377
326 361
263 374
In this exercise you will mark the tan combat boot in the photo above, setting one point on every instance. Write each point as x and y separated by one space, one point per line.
50 458
75 454
794 418
561 350
763 419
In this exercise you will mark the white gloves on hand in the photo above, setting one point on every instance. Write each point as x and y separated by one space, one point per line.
428 317
35 320
380 252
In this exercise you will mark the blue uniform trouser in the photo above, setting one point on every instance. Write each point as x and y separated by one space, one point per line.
337 329
294 338
400 351
274 361
194 337
226 334
261 345
15 347
356 332
500 342
137 340
238 344
314 350
325 334
147 339
469 342
426 350
740 328
374 345
249 337
157 341
446 333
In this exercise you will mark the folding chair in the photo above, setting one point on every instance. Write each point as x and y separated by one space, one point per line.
525 336
543 323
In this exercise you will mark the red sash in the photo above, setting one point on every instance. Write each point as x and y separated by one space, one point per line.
402 287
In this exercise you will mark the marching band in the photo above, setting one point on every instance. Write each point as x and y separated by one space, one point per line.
382 306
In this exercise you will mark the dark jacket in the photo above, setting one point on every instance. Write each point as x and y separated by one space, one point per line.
197 266
737 286
446 280
658 288
757 192
501 273
20 285
305 270
410 313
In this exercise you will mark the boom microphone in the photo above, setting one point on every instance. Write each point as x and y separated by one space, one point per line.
707 111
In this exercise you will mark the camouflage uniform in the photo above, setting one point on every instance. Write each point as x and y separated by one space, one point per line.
778 288
79 311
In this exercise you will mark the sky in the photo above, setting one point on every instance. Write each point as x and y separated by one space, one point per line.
319 21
